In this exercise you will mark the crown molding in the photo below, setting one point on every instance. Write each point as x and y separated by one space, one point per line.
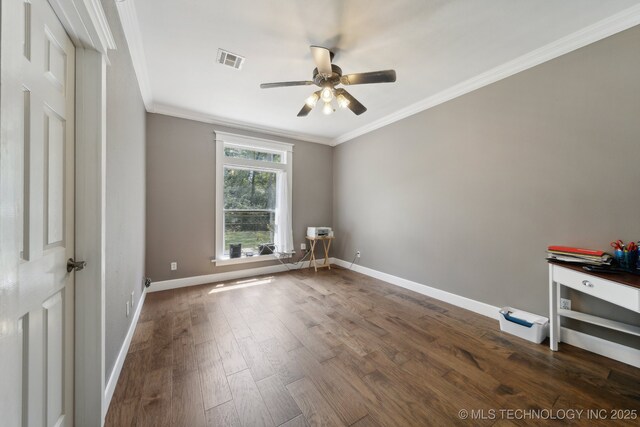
99 19
607 27
129 21
207 118
86 23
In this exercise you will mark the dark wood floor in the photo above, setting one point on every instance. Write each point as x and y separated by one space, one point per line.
339 348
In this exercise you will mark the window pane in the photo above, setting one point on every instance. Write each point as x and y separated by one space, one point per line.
249 208
252 154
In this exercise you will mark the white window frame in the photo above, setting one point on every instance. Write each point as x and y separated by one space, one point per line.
225 139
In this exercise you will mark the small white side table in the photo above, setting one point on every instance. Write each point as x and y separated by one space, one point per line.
620 289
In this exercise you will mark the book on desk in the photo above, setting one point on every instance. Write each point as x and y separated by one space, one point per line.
579 255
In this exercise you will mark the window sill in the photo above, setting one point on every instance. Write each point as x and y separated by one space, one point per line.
244 259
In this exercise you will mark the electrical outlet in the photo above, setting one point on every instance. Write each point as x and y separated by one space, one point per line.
565 304
174 266
303 246
127 308
357 254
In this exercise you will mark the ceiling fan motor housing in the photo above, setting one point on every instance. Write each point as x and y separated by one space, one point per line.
333 79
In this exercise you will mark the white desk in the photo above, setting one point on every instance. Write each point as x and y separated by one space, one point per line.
620 289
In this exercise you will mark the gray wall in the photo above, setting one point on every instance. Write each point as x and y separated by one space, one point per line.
125 197
466 196
181 195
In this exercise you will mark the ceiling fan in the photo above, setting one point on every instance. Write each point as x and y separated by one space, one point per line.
327 76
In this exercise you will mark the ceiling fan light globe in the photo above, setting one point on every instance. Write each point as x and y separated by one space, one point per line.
327 109
343 102
312 100
326 94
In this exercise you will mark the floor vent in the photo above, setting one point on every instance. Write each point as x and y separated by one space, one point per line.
230 59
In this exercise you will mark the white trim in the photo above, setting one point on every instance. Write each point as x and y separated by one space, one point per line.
244 259
457 300
99 20
221 277
583 37
250 164
252 141
129 21
86 23
183 113
219 196
597 345
122 355
606 348
90 236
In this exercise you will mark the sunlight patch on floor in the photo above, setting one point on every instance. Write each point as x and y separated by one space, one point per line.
222 287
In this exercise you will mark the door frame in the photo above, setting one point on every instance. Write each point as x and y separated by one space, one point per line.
87 26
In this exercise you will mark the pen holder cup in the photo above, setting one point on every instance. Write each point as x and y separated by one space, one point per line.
633 259
627 259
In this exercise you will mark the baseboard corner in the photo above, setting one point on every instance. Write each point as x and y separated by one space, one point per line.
610 349
448 297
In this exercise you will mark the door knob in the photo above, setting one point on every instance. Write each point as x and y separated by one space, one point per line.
75 265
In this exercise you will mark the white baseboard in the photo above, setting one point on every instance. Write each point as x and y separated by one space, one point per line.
457 300
610 349
165 285
117 368
600 346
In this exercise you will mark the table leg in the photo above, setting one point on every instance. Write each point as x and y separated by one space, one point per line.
554 319
326 253
313 255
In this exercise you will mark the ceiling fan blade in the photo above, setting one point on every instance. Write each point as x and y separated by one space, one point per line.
354 105
322 58
284 84
305 111
385 76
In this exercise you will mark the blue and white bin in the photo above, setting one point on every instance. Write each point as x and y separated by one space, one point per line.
529 326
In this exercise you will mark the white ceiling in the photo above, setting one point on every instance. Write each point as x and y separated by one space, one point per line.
439 49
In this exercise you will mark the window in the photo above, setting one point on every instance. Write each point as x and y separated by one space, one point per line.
249 208
253 198
231 151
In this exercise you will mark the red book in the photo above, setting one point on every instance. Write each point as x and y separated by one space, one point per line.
579 251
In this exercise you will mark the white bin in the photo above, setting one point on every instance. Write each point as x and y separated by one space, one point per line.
526 325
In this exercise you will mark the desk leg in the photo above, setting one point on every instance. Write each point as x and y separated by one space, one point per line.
554 319
313 255
326 253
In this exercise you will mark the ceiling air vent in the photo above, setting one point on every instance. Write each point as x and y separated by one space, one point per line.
230 59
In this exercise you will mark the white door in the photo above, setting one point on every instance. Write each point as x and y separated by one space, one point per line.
36 214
